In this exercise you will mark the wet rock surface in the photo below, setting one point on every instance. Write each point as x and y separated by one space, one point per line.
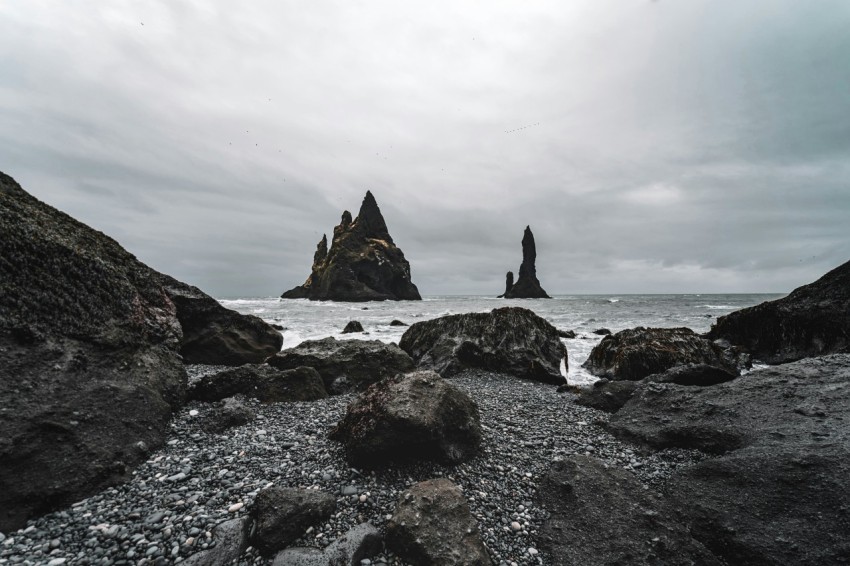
346 365
510 340
262 382
352 327
527 286
814 320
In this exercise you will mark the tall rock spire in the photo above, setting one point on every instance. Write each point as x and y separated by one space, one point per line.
370 221
527 286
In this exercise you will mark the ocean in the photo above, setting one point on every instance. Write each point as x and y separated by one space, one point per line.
308 320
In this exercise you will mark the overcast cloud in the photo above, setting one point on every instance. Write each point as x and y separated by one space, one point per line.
653 146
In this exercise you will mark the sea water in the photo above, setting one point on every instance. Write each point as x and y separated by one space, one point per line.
307 320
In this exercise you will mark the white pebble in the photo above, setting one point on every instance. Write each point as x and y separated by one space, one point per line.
56 562
516 526
532 551
235 507
193 413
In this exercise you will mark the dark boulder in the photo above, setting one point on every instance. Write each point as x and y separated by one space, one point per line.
814 320
778 493
602 515
261 382
417 416
602 332
281 515
397 323
527 286
360 542
638 352
509 340
363 263
606 395
700 375
346 365
225 415
352 327
432 524
231 540
566 333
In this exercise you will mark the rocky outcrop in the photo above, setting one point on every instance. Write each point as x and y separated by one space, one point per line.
417 416
346 365
432 524
363 263
638 352
509 283
778 493
509 340
281 515
352 327
814 320
602 515
350 549
527 286
261 382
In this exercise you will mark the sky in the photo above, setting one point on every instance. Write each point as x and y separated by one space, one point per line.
687 146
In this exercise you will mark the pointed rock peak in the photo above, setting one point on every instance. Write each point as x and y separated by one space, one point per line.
371 221
346 219
529 254
321 251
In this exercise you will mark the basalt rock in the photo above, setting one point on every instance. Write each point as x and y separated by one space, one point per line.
509 283
638 352
527 286
607 395
352 327
508 340
363 263
261 382
814 320
281 515
227 414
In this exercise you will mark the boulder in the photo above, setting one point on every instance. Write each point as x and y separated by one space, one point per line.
227 414
352 326
814 320
602 515
432 524
358 543
527 286
509 340
261 382
281 515
397 323
638 352
417 416
602 332
699 375
231 540
566 333
363 263
346 365
778 493
607 395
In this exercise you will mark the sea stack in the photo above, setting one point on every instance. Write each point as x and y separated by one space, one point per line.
363 263
527 286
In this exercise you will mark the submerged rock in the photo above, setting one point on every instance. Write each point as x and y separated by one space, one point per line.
417 416
352 327
363 263
813 320
527 286
509 340
262 382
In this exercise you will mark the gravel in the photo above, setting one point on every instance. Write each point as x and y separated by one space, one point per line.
197 480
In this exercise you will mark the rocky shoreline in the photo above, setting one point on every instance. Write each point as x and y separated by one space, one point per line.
199 480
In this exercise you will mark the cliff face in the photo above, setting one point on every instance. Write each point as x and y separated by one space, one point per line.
363 263
527 286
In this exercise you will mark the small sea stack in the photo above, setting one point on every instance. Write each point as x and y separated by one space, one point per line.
363 263
527 286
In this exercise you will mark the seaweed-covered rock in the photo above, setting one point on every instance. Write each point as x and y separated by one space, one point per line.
509 340
417 416
527 286
363 263
262 382
346 365
814 320
638 352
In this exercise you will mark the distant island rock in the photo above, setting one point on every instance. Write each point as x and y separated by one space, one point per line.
527 286
363 263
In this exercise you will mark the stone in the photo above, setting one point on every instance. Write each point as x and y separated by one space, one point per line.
636 353
346 365
527 286
352 326
231 540
227 414
282 515
601 515
602 332
699 375
814 320
607 395
509 340
363 263
432 524
350 549
566 333
417 416
397 323
262 382
509 283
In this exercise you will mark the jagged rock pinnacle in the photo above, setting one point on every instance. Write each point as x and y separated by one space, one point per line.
370 220
527 285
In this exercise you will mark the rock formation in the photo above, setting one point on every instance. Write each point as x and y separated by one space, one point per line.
261 382
363 263
281 515
813 320
509 283
90 366
527 286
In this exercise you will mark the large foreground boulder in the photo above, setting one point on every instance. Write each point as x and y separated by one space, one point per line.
346 365
813 320
283 514
602 515
527 286
90 366
262 382
639 352
778 494
432 524
509 340
417 416
363 263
